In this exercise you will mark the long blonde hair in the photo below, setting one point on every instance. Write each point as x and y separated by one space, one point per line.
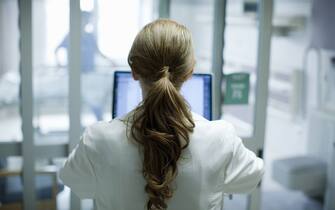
162 57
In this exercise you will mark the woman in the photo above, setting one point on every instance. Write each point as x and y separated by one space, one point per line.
161 155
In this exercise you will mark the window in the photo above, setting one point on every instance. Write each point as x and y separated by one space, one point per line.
10 119
50 73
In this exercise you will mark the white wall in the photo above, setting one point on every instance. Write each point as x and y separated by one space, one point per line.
9 36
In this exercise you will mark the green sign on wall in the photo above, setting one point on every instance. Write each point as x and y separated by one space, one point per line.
237 88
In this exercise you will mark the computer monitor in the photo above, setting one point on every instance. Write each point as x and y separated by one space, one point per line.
127 94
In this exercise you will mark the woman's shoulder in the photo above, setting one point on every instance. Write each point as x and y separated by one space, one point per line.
105 130
217 136
220 127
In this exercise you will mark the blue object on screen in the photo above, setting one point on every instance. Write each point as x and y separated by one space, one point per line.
127 94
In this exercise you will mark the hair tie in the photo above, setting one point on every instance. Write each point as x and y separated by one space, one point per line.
166 72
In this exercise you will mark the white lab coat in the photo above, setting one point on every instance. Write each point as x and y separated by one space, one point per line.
106 167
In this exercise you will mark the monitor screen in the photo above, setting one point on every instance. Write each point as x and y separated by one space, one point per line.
197 91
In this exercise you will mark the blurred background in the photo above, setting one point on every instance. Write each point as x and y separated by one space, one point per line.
285 46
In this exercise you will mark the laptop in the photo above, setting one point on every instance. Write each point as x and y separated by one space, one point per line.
127 94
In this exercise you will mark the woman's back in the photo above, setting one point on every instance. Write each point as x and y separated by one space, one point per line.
107 166
161 156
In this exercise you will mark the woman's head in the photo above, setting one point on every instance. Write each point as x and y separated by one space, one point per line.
160 48
162 58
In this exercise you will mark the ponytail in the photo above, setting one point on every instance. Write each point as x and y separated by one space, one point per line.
162 123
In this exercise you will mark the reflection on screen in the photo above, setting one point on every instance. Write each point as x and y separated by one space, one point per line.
197 92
